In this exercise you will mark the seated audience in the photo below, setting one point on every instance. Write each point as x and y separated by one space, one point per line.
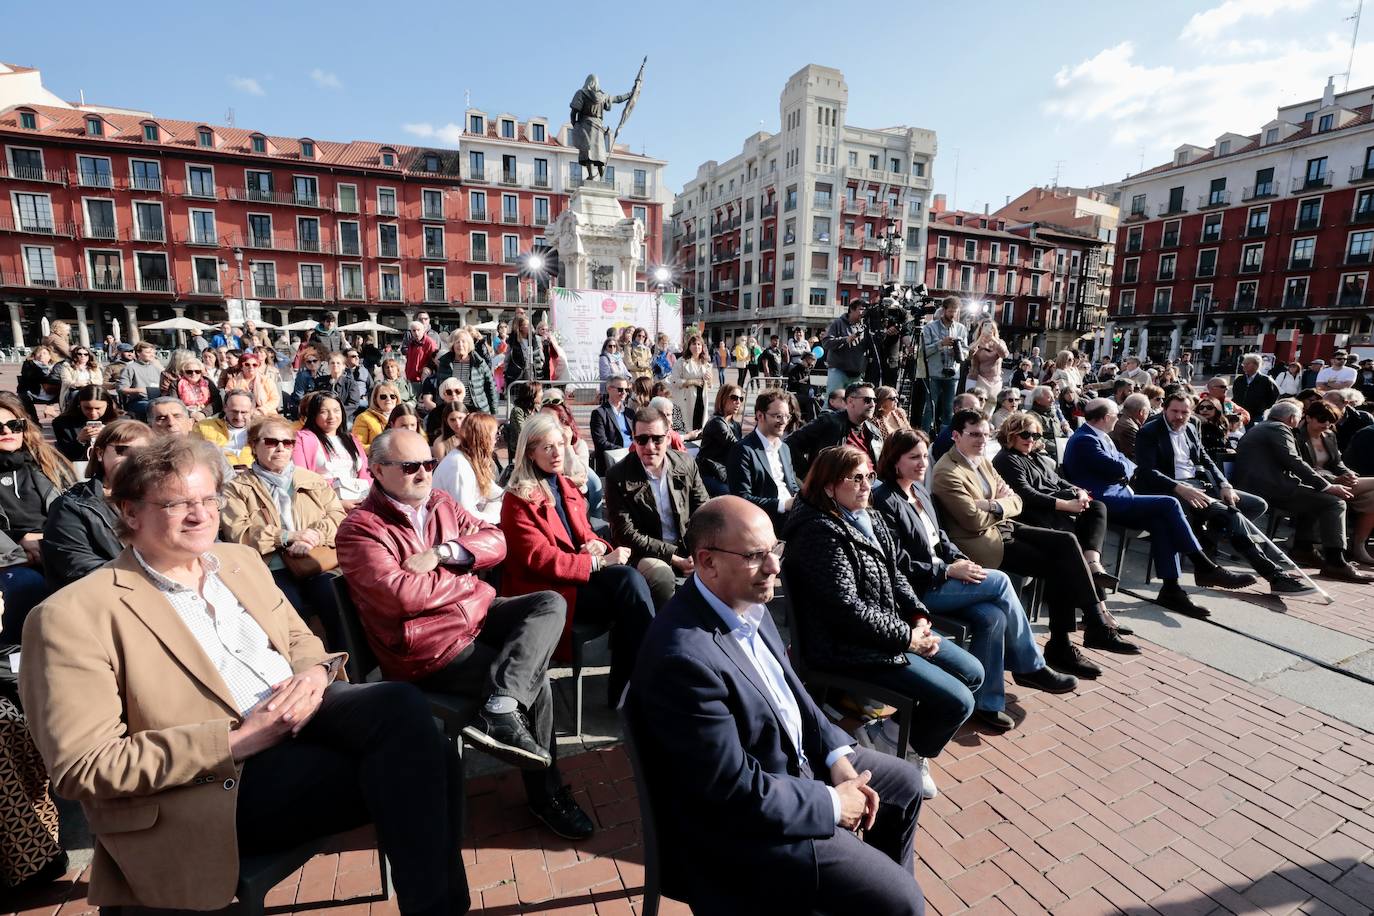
552 546
73 430
1070 406
288 515
524 401
1360 455
1023 376
343 385
760 465
140 379
719 434
852 424
176 682
391 374
1008 402
324 447
229 433
1317 445
1135 410
411 555
77 371
445 426
1044 406
194 389
742 764
39 382
1213 429
460 363
944 437
650 497
1093 462
259 382
468 472
81 532
978 509
169 417
1155 395
576 458
666 406
612 423
1121 389
1171 461
371 423
859 612
947 582
1219 390
889 417
405 416
1131 369
306 375
1353 417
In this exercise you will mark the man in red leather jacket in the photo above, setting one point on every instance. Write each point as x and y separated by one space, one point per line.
410 555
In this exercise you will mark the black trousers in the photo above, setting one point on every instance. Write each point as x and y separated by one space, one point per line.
1088 527
618 596
920 398
1056 557
699 408
510 657
306 595
370 754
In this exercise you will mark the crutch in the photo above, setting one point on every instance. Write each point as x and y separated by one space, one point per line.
1255 533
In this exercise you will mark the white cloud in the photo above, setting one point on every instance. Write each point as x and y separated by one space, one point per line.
449 133
1159 107
325 79
247 84
1210 24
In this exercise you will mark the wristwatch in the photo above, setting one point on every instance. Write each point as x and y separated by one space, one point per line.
444 552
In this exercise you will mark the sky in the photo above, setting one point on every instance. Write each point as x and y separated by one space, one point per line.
1018 93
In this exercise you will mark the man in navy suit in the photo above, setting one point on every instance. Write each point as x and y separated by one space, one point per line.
760 465
761 799
1093 462
1172 462
612 424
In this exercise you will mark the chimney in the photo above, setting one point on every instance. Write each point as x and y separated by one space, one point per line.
1329 93
937 203
987 209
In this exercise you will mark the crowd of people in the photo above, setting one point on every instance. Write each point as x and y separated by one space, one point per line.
174 591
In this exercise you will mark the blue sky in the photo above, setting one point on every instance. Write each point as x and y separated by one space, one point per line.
1015 91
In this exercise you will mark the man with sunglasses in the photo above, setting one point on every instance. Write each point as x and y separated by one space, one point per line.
851 426
650 497
612 424
765 806
411 556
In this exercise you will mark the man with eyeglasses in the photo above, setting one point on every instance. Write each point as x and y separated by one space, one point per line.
760 464
411 556
740 759
612 424
851 426
650 497
229 431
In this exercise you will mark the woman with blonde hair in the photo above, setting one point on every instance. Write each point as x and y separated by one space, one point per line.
888 416
370 423
1066 374
1008 403
390 370
985 358
468 471
77 371
690 379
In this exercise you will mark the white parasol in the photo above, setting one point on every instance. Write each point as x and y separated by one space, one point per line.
373 326
177 324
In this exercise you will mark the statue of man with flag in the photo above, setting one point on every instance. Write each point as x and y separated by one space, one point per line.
593 140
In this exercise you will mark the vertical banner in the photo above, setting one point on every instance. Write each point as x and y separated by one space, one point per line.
580 318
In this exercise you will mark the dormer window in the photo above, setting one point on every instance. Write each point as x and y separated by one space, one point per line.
151 133
259 143
95 127
388 158
1325 122
432 163
205 137
28 120
307 149
508 129
1223 147
537 133
476 124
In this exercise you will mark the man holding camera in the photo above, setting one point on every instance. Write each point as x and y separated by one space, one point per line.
846 348
944 344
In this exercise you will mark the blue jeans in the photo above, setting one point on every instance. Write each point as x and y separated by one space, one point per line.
23 587
943 685
941 401
594 490
839 380
1162 516
1001 635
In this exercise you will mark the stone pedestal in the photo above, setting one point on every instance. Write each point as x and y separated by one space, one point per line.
598 245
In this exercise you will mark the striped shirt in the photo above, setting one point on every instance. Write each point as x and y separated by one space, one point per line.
232 639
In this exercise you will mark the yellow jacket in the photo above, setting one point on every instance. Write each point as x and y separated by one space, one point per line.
368 426
215 431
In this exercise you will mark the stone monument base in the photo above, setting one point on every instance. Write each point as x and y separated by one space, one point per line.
598 246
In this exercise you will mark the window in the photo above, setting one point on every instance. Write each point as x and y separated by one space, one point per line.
259 143
312 281
790 198
1216 193
1175 200
1164 300
200 181
541 211
389 159
508 171
1271 135
388 244
203 230
106 270
1245 293
820 229
1202 296
1358 248
307 149
477 166
434 242
510 248
100 219
351 281
435 285
1264 183
307 233
151 271
478 247
1352 289
1224 147
259 230
148 219
264 275
1127 302
147 175
479 288
507 129
1300 257
1251 258
28 120
95 127
1035 284
391 284
1130 270
477 204
941 278
1258 222
432 162
1368 171
541 173
40 267
307 191
970 250
1138 205
28 164
1135 238
1211 228
259 185
640 186
1325 122
432 204
1295 293
510 208
386 201
511 282
1309 213
823 199
1316 173
1364 206
1207 262
1171 234
1167 263
94 172
641 216
476 125
349 243
965 278
537 133
205 137
347 199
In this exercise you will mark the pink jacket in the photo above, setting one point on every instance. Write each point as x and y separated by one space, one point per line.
309 453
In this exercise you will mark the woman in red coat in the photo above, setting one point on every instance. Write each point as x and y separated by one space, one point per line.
551 546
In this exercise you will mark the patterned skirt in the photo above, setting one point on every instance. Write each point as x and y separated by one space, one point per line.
28 817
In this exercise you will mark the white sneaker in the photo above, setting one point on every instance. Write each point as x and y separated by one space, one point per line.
928 788
883 734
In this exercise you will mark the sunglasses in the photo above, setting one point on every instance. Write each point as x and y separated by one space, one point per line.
861 479
249 362
553 402
15 426
618 388
192 371
646 438
271 442
735 397
312 360
1028 436
388 397
869 400
411 467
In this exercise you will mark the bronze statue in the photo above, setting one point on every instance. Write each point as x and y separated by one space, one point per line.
593 141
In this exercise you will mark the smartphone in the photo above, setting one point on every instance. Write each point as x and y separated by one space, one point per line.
94 424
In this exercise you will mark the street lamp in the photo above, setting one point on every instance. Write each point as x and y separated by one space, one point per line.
663 278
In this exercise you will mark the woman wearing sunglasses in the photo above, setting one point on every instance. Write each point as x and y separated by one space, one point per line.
80 532
611 362
325 447
721 432
1048 500
858 612
256 379
577 464
196 391
370 423
287 514
1008 403
77 371
391 372
76 427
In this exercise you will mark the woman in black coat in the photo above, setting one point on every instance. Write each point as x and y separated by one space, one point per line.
722 431
1048 500
74 429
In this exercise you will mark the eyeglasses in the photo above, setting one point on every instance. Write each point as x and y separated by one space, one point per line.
861 479
1028 436
181 507
754 558
273 443
15 426
411 467
646 438
778 417
975 435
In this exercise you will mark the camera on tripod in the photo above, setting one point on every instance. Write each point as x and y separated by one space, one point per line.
898 301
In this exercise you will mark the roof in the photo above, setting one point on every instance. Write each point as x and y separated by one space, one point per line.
15 68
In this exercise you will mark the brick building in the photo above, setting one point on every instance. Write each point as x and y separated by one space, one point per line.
113 214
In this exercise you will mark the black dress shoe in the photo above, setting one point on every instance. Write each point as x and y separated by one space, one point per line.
1285 584
1108 640
995 718
1220 577
1065 657
506 736
1178 601
1046 679
1345 572
562 815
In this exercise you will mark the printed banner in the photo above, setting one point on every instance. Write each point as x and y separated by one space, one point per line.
580 318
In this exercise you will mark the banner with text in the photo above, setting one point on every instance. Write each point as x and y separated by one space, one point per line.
580 318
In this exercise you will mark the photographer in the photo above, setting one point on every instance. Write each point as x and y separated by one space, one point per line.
846 345
944 344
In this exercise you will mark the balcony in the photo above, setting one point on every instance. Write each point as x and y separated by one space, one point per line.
768 210
479 256
201 193
820 273
511 257
388 251
1135 216
342 206
105 231
639 189
1249 267
1291 301
155 285
350 248
479 215
313 293
260 242
1167 276
433 216
1169 239
386 209
748 247
48 281
1132 276
510 179
1171 209
33 173
95 180
1363 214
146 183
476 175
108 284
822 238
1214 199
1254 232
1353 258
150 234
788 238
510 219
280 198
788 274
433 254
207 286
1360 174
1205 271
1311 183
266 290
1306 223
1210 235
435 296
1258 192
541 181
202 239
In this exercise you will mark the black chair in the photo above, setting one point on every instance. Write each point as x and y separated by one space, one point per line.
648 820
951 629
582 633
1124 538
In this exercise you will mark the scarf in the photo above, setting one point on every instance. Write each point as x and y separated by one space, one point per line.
861 521
281 488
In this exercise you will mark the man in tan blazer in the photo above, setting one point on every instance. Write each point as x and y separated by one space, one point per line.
977 510
164 692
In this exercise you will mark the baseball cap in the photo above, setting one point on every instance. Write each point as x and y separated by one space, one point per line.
125 348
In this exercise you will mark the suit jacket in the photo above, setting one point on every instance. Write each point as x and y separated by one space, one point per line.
1095 465
727 783
1334 465
751 478
1256 395
830 428
632 509
1036 479
924 563
1269 464
957 488
605 437
1352 421
1124 433
1361 452
133 721
1154 457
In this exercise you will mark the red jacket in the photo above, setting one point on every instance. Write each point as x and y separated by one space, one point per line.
541 557
419 353
416 624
